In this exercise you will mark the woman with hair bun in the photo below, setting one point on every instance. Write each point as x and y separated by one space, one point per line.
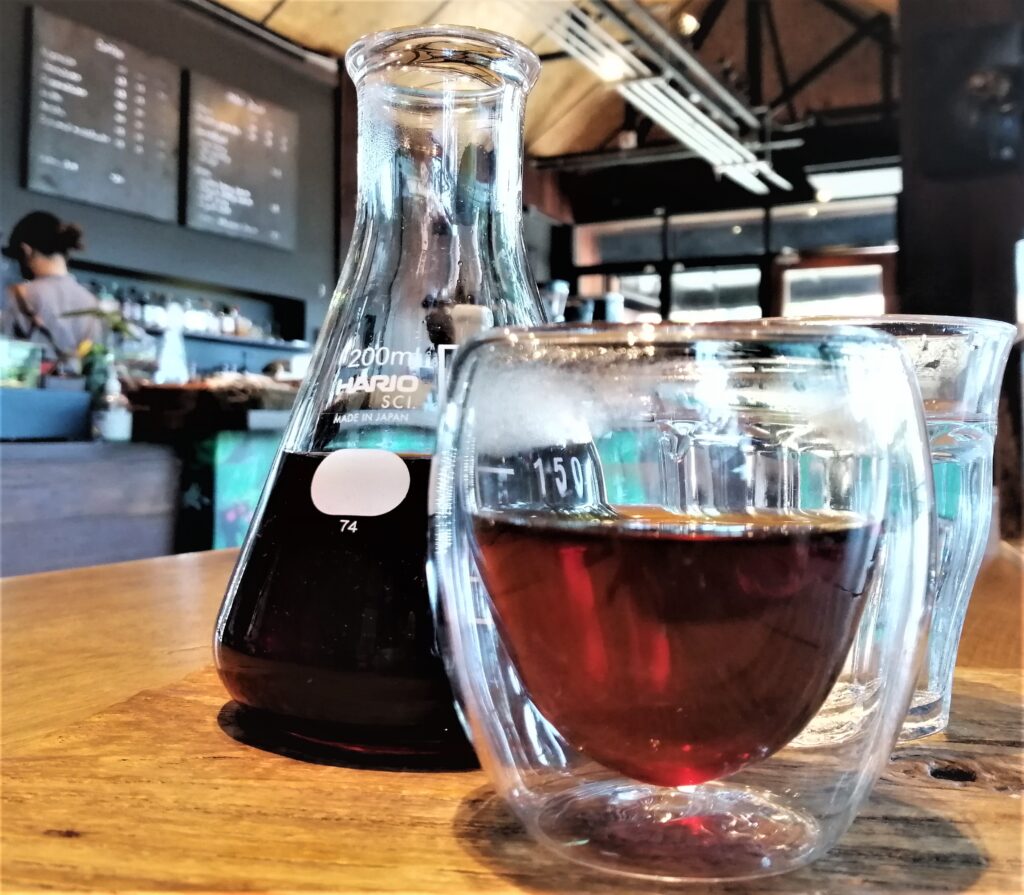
35 309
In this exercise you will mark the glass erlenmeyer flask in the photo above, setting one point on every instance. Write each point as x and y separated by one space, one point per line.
326 628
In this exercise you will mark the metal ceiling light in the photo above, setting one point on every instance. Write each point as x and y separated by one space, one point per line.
688 24
666 82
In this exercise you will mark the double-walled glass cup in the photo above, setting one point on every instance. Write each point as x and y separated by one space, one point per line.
657 551
959 363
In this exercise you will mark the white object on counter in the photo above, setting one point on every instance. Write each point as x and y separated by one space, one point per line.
172 366
113 420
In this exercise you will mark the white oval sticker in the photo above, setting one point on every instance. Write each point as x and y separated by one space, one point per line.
359 482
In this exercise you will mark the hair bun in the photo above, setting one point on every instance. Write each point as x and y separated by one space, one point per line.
70 237
45 233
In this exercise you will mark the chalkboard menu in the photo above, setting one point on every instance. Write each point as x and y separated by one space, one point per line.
103 120
242 170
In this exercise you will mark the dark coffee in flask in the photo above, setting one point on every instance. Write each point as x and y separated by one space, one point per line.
326 633
330 626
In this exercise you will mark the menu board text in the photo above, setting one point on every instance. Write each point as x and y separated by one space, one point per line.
103 120
242 170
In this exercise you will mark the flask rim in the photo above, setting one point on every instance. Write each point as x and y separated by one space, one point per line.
495 60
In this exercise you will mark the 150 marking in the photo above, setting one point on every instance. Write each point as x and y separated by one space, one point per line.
561 477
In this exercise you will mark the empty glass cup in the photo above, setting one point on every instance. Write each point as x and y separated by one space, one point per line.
959 363
655 552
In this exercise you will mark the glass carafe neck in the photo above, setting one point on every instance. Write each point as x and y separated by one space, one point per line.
440 158
445 173
437 253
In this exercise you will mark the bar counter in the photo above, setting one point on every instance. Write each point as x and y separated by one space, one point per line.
121 773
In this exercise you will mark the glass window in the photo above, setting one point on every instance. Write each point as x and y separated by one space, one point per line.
843 291
717 293
821 225
712 235
641 290
805 227
617 241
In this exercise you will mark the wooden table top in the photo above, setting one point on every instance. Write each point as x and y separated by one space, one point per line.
117 775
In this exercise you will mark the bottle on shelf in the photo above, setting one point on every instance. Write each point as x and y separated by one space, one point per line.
172 363
112 419
212 320
227 322
158 311
131 310
146 309
326 632
191 317
243 325
108 304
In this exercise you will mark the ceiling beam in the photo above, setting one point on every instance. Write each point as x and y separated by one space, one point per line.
755 53
780 60
707 23
270 12
588 161
849 15
869 28
435 11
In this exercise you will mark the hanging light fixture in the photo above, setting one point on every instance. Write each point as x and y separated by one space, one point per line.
665 81
689 24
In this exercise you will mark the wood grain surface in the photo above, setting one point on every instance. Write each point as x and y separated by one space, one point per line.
995 616
124 770
78 641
